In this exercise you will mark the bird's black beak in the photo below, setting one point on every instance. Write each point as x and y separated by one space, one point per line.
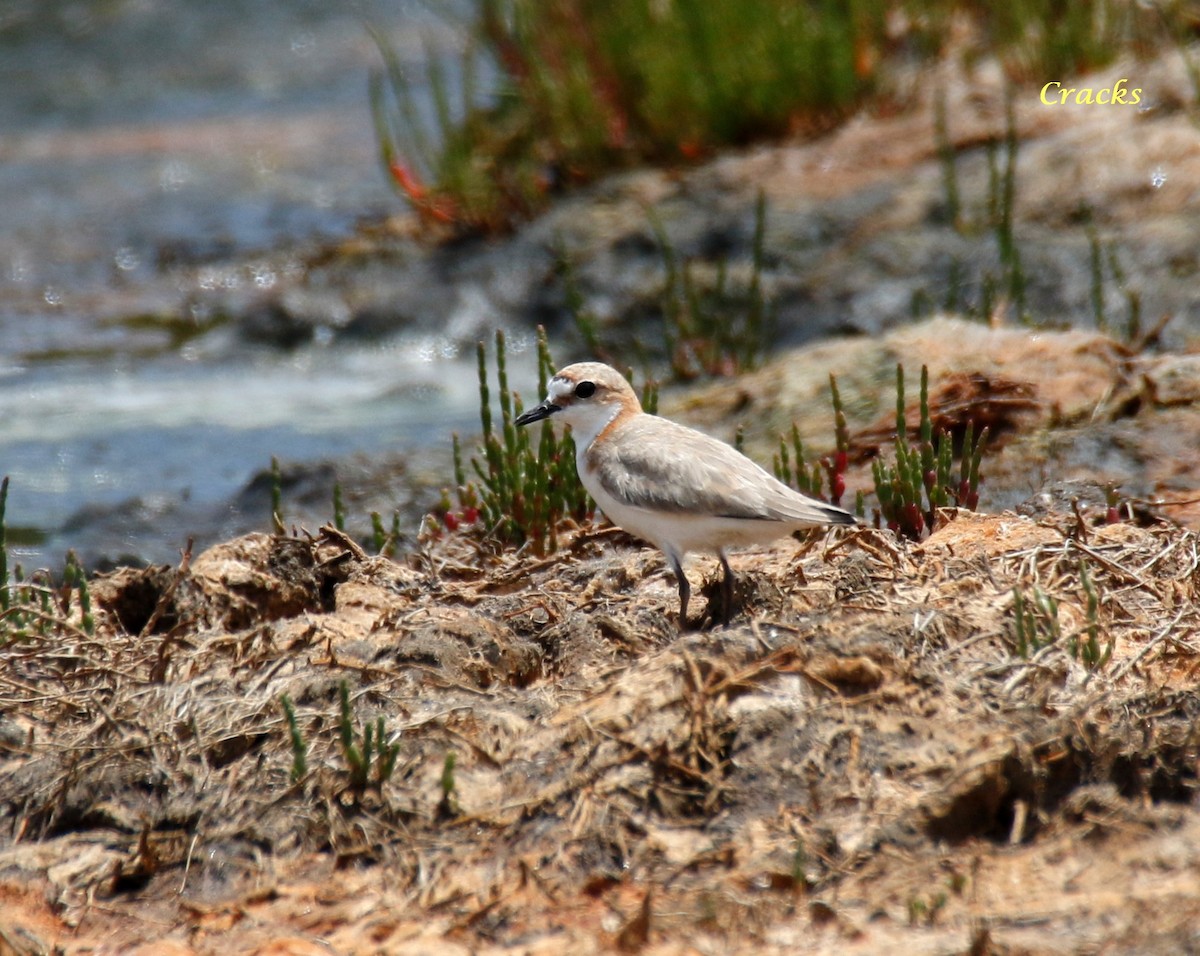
538 412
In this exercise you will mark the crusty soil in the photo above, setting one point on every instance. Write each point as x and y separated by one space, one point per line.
860 761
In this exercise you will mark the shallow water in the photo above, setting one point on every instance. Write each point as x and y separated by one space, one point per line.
195 433
135 134
132 128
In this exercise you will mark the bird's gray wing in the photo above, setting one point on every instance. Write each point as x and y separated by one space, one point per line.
661 466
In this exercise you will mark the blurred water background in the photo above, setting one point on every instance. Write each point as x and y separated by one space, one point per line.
137 135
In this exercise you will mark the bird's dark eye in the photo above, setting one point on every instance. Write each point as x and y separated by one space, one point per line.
585 389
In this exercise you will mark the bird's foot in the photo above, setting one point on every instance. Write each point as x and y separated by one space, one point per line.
723 603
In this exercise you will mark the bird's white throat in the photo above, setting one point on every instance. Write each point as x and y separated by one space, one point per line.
587 422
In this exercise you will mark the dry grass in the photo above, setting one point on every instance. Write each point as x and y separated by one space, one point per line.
616 784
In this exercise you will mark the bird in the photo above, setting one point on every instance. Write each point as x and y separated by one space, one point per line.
677 488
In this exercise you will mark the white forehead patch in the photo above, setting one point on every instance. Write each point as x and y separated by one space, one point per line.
560 387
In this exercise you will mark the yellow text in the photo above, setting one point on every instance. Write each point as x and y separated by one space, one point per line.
1055 94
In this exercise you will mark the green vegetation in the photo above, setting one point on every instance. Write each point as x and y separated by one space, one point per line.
37 606
806 477
586 322
75 577
1035 624
522 495
276 497
997 293
1085 647
1035 621
1045 39
1103 254
448 803
841 455
947 159
800 861
339 507
299 745
924 911
588 88
919 480
922 479
370 759
385 541
721 330
716 322
1002 191
994 214
800 475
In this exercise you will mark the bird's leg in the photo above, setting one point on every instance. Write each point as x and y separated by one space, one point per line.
726 588
685 591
